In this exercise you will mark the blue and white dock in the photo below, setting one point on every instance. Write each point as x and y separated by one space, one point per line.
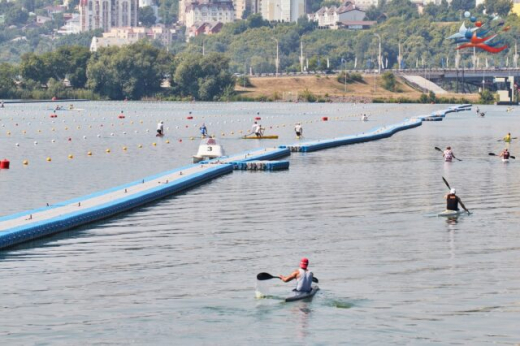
33 224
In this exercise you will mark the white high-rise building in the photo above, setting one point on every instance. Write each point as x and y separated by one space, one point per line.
107 14
282 10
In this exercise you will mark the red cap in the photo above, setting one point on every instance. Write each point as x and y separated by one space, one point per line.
304 263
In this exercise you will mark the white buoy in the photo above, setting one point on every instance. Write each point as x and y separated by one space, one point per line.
35 142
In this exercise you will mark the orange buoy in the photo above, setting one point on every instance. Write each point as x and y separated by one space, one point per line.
121 116
325 118
189 118
258 118
4 164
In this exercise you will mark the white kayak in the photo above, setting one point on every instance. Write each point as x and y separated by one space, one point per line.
448 213
302 295
505 160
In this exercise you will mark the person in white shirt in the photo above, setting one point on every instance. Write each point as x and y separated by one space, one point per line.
160 128
257 129
298 129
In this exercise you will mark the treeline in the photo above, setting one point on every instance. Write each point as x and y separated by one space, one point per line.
131 72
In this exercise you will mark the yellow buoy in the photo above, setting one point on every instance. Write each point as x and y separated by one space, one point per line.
167 141
108 150
49 159
25 162
89 153
71 156
154 144
191 138
124 148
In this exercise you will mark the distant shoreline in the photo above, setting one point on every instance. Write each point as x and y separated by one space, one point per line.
6 101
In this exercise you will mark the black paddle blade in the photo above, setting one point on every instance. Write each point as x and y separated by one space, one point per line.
512 157
265 276
445 182
438 149
492 154
315 280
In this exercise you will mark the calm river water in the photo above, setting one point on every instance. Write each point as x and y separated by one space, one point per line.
183 270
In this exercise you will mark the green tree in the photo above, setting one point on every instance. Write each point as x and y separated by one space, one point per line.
464 5
147 16
168 11
389 82
74 59
202 77
132 71
33 67
500 7
503 7
401 8
7 84
16 16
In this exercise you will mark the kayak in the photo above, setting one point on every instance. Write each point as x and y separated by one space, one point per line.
505 160
302 295
262 137
448 213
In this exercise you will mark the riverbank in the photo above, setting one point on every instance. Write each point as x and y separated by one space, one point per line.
326 88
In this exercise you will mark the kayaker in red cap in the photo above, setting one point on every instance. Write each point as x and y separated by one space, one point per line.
302 275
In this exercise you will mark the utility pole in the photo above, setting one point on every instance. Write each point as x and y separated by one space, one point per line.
379 56
344 73
301 54
277 51
202 47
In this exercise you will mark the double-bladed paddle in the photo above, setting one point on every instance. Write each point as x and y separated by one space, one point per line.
439 149
503 140
267 276
493 154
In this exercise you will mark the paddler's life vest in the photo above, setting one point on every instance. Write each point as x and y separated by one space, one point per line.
303 283
505 155
452 202
448 155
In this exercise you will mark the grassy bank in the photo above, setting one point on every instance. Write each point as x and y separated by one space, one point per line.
326 88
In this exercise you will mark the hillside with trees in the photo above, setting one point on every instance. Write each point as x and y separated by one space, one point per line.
34 62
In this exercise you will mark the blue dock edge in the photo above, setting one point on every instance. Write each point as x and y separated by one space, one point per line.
47 227
261 165
379 133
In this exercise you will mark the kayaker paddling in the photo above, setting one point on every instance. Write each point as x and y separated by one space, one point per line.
448 155
203 130
507 138
302 275
453 201
505 154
